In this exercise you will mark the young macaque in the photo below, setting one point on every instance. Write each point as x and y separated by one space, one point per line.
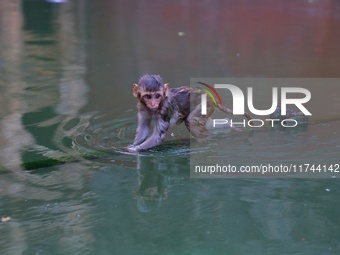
168 105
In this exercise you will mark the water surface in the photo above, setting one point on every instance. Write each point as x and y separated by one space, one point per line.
66 110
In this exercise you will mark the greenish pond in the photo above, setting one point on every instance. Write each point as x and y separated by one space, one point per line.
67 110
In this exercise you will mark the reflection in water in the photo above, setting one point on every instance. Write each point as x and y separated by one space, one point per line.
156 176
73 88
269 38
12 132
32 67
32 71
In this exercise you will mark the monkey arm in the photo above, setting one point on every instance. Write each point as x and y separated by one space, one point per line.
159 133
144 122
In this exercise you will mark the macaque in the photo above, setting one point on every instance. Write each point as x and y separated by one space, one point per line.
168 106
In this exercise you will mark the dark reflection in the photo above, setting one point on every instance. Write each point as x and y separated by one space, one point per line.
39 16
156 175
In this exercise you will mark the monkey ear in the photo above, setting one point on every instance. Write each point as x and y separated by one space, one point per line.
166 89
135 90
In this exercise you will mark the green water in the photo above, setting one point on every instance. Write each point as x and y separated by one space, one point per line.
67 111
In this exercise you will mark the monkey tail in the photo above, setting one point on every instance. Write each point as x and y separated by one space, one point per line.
227 110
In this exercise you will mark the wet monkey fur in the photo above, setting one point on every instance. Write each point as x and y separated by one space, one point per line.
164 105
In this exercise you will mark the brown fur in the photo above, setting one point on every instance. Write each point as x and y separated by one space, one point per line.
175 105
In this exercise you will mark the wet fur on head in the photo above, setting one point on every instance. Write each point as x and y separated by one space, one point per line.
151 82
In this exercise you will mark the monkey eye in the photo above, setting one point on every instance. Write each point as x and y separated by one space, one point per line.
157 96
147 97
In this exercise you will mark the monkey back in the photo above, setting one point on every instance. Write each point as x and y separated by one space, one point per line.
177 105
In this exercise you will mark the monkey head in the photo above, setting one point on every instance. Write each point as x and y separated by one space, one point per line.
151 91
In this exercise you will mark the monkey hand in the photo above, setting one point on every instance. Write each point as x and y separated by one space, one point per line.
133 148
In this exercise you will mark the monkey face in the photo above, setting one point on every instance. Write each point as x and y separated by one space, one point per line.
151 91
152 100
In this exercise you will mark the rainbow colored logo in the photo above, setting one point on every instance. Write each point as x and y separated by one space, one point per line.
211 94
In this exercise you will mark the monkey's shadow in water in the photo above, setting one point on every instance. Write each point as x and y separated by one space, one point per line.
156 176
